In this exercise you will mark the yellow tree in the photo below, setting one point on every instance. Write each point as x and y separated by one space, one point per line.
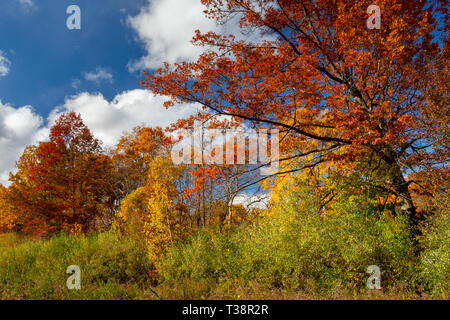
167 217
156 210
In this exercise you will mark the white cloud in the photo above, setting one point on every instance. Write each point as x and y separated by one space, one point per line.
5 64
109 119
27 4
166 27
19 128
260 201
98 75
75 83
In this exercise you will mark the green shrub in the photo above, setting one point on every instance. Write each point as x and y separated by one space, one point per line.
434 267
111 268
291 248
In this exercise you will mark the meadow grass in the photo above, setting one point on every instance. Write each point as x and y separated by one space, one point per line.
111 268
289 255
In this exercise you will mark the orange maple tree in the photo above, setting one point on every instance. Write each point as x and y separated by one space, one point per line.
335 89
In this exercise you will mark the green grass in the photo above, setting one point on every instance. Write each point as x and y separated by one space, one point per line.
289 255
296 251
111 268
293 249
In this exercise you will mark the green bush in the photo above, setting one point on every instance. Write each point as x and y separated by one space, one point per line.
434 267
291 248
111 268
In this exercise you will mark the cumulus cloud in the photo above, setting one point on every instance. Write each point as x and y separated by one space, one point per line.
5 64
109 119
98 75
19 128
166 27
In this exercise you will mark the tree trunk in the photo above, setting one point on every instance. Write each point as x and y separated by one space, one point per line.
404 201
230 214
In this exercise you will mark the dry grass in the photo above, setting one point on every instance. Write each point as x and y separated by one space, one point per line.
206 290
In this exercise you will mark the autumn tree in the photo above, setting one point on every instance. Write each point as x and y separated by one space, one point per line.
156 211
23 195
336 90
216 183
8 213
132 154
432 176
60 184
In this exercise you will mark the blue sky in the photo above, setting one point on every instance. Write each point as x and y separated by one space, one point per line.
47 58
47 69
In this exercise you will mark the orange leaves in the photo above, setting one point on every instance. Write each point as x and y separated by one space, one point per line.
132 153
62 183
339 93
316 72
8 212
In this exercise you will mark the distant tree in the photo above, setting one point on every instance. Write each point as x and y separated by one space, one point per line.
8 213
132 154
62 184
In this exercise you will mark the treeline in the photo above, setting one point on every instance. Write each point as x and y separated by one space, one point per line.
70 184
